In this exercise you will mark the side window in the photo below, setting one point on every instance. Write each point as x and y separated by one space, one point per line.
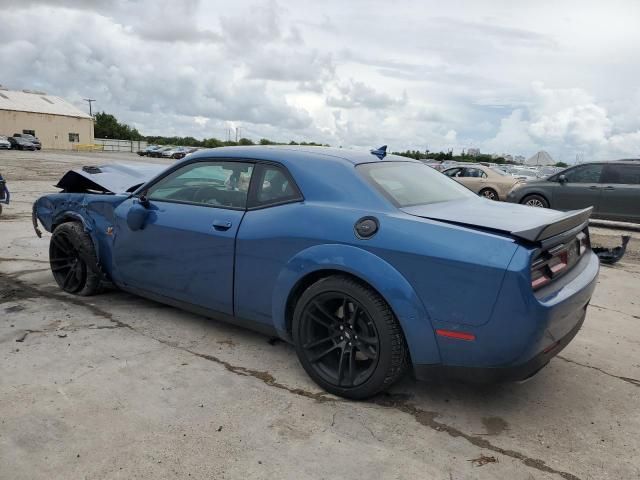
273 186
473 173
453 172
211 184
622 174
585 174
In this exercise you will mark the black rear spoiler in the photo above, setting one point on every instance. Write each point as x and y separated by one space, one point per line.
568 221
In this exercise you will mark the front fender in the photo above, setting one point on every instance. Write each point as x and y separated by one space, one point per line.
54 211
382 276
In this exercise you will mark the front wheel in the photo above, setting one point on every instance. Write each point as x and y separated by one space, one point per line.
348 339
73 260
535 201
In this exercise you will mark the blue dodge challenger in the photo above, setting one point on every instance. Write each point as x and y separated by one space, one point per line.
369 264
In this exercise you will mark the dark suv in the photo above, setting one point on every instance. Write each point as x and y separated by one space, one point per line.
612 188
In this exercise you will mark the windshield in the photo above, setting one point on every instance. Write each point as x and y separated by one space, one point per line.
406 183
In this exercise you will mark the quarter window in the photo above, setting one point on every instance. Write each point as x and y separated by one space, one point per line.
274 186
584 174
473 173
622 174
212 184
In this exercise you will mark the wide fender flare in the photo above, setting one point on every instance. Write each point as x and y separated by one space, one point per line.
383 277
68 215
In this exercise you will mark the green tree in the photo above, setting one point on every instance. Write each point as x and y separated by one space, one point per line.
107 126
561 165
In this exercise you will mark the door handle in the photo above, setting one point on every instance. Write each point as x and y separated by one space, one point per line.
222 225
593 187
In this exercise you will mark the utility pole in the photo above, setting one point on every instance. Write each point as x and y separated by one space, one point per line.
90 101
237 132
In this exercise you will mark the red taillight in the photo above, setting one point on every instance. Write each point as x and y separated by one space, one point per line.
469 337
539 275
557 260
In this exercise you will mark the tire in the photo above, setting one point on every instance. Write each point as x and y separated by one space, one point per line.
489 193
344 313
535 201
73 260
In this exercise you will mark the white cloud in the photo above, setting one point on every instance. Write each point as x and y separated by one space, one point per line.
503 76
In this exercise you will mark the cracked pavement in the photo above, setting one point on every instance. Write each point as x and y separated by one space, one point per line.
115 386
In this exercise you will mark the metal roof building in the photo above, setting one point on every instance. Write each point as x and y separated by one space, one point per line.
57 123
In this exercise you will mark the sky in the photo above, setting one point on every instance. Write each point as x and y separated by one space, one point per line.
503 76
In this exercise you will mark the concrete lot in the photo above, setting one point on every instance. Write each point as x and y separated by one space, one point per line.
115 386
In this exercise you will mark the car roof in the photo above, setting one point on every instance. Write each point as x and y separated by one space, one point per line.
295 153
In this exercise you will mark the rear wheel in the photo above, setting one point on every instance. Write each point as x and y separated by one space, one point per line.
489 193
73 260
535 201
347 338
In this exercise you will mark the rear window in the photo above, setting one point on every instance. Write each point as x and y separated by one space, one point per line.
406 183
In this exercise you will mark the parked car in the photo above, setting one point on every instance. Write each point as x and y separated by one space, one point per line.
30 138
368 263
4 143
20 143
157 153
149 148
523 173
175 152
611 188
185 152
491 183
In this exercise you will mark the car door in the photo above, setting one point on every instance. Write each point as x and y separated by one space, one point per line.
581 188
620 192
185 247
473 178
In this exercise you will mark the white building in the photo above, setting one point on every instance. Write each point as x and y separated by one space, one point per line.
473 152
540 158
55 122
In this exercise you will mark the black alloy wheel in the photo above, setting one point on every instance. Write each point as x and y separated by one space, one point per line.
73 260
339 339
347 338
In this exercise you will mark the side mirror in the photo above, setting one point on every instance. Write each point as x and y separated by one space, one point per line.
137 215
144 200
562 179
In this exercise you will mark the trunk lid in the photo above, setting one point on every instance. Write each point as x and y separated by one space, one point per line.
519 221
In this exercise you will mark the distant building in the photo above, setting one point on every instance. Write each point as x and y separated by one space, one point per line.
519 159
473 152
56 122
540 158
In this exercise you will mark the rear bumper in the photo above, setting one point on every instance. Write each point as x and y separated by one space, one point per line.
525 330
498 374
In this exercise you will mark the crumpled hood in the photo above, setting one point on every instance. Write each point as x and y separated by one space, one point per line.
114 178
528 223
